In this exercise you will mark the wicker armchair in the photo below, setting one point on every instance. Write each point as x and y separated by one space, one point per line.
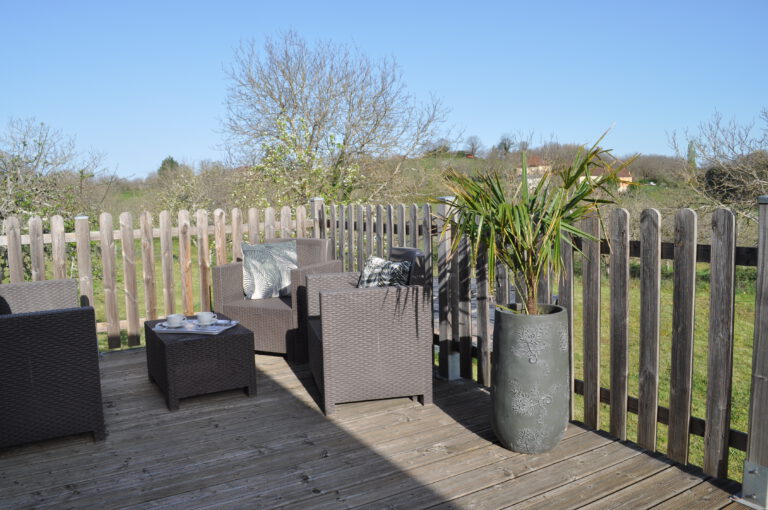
275 322
50 384
375 343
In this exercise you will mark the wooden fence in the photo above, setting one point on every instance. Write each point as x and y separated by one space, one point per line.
358 231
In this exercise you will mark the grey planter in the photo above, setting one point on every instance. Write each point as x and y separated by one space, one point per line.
530 391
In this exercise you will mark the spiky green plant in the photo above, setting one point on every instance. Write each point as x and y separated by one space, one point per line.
524 228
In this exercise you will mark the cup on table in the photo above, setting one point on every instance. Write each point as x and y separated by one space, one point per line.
175 320
206 318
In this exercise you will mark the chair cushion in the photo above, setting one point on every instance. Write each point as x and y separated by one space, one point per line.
379 272
267 269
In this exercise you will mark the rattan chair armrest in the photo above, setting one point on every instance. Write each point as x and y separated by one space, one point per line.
227 281
317 283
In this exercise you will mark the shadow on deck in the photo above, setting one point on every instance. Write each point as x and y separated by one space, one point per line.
278 450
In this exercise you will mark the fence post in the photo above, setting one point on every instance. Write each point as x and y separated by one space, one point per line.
755 486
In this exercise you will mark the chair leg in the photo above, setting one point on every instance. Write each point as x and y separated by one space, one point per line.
425 399
329 408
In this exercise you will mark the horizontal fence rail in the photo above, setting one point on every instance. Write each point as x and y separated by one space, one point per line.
167 260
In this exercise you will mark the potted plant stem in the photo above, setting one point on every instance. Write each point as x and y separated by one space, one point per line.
525 229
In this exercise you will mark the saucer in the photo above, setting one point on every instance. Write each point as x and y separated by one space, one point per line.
165 325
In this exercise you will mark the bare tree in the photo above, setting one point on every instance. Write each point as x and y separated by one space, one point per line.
505 146
323 112
42 173
473 145
732 159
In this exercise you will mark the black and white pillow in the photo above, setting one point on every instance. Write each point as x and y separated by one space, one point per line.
379 272
267 269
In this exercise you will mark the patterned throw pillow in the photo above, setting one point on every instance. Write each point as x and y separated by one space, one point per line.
384 273
267 269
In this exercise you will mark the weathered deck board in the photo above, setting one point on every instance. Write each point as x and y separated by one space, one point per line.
277 449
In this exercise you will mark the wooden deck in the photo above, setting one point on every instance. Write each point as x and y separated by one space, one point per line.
277 449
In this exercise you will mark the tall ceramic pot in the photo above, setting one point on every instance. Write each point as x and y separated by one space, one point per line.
530 391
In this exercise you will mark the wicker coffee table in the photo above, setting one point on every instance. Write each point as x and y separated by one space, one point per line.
183 365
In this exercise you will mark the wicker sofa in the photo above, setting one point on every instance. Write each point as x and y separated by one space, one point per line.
374 343
275 322
50 384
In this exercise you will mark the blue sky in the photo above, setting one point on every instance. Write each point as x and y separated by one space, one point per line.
140 81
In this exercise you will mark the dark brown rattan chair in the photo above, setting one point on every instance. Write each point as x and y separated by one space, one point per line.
375 343
276 322
50 384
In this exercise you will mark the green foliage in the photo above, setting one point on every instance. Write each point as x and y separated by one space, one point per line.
524 229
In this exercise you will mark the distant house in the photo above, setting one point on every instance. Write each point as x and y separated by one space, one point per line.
537 167
624 176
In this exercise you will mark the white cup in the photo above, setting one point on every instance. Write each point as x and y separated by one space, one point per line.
206 318
175 320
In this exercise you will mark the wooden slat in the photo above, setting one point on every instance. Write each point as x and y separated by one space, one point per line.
650 281
619 321
270 227
253 225
333 232
390 228
185 262
220 236
683 300
360 237
58 248
369 235
414 226
83 246
342 238
401 225
350 238
317 209
591 321
237 234
465 310
483 320
379 231
166 259
148 265
301 221
15 259
322 218
543 291
204 255
109 282
565 299
757 450
128 248
427 248
720 354
286 222
443 279
502 285
36 248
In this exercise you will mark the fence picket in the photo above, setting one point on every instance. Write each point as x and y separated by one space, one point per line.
148 265
368 231
110 280
360 237
401 224
565 299
237 234
414 226
220 236
36 248
465 309
650 292
591 320
166 260
333 231
128 248
301 221
83 246
58 247
483 320
185 262
443 279
379 231
15 259
350 238
390 228
720 355
286 224
269 223
619 321
253 225
204 256
683 300
342 238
